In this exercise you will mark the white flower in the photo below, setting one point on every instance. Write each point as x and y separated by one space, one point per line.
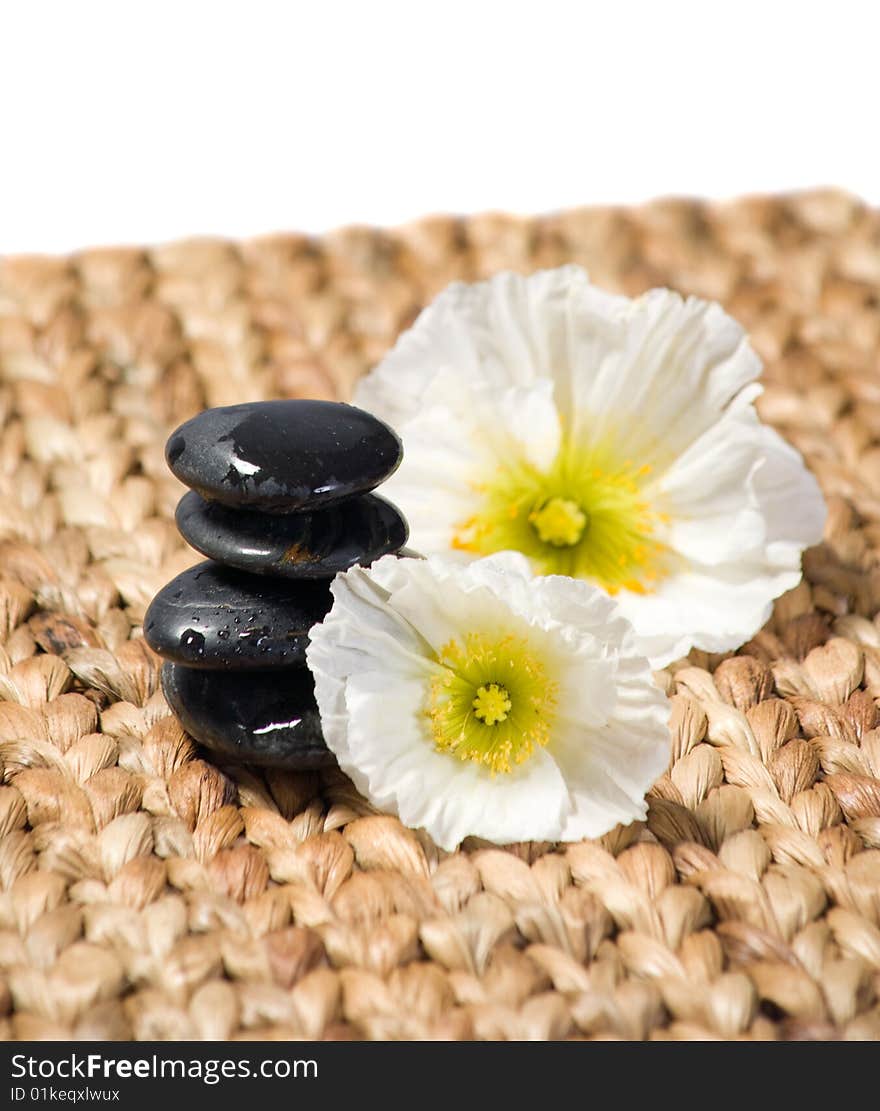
610 439
479 700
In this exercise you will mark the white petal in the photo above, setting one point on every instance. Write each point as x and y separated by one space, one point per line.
363 628
434 483
793 506
609 768
742 508
716 608
656 371
524 423
601 796
671 369
736 490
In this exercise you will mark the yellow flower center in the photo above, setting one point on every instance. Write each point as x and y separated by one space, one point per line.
587 516
492 702
560 522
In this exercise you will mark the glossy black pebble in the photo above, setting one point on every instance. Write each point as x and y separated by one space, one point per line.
219 617
256 717
296 545
282 456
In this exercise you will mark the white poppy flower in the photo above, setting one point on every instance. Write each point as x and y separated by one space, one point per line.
479 700
609 439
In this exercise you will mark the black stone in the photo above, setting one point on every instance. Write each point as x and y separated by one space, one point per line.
283 456
218 617
255 717
295 545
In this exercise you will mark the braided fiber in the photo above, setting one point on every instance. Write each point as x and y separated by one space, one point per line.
145 893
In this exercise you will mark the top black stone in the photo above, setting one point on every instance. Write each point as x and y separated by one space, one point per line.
283 456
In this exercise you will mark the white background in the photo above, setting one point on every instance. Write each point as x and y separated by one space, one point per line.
123 122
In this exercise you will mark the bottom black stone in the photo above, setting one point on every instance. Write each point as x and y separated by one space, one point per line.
255 717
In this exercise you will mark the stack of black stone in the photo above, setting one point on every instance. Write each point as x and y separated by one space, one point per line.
280 501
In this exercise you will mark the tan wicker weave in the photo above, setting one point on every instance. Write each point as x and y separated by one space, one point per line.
145 893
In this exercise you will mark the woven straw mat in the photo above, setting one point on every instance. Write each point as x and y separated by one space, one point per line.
146 893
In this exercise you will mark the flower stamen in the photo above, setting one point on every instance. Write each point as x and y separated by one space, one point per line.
492 704
559 521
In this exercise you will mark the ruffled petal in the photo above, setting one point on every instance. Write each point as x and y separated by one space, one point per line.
716 608
672 367
738 489
609 768
742 507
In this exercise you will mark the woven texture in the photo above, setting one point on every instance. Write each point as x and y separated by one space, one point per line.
145 893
